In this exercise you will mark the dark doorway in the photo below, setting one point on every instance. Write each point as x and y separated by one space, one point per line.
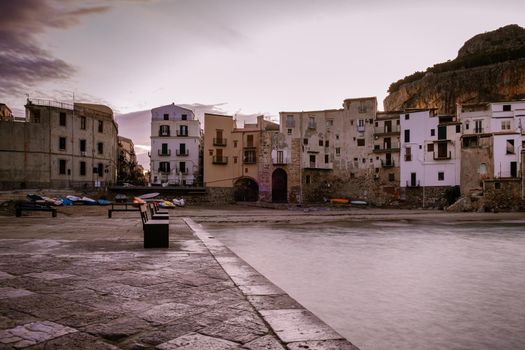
246 190
279 186
513 169
413 182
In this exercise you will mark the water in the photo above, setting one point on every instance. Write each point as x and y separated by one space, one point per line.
399 285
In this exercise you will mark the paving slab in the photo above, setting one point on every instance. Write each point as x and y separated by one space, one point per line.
33 333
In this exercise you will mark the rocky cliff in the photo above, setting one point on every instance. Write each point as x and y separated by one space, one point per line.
489 67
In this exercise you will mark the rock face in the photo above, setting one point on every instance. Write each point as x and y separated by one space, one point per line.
490 67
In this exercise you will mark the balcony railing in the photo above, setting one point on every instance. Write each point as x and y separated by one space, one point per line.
388 164
312 125
164 133
386 131
442 157
182 171
360 128
182 153
410 184
219 142
220 160
280 160
164 171
478 130
248 160
167 153
408 157
182 133
385 150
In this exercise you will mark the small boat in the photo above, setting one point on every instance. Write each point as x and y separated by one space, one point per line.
121 198
103 202
357 202
34 198
66 201
138 201
149 195
166 204
52 201
179 202
339 201
88 201
74 198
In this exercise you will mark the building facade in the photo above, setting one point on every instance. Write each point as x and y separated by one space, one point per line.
128 169
59 145
5 113
175 147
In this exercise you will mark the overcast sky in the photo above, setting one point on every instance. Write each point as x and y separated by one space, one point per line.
248 56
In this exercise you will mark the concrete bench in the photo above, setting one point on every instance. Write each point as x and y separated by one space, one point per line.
34 207
157 214
128 206
156 232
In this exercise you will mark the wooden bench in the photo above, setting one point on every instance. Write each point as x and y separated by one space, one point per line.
156 232
157 215
34 207
128 206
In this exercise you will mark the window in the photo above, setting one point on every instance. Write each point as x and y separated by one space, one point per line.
330 122
62 118
360 123
164 130
183 130
235 143
164 167
326 143
82 146
321 143
360 142
338 150
100 169
280 157
497 185
100 126
305 141
184 117
432 132
290 122
407 135
182 150
441 176
430 147
478 126
289 131
363 160
362 107
337 136
35 116
391 177
407 116
311 123
307 179
62 143
506 108
249 156
62 167
510 147
408 154
82 168
505 125
83 123
234 159
312 160
326 158
100 147
483 169
182 167
458 128
249 140
467 125
164 149
166 116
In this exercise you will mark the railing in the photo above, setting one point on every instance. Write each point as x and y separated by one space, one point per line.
219 142
408 157
388 164
385 130
249 160
164 171
410 184
478 130
182 171
360 128
280 160
182 133
164 133
442 157
312 125
182 153
386 150
164 154
220 160
50 103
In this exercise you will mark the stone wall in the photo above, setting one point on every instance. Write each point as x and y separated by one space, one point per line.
426 197
503 194
471 175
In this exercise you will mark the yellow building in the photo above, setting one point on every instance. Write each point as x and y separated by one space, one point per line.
231 155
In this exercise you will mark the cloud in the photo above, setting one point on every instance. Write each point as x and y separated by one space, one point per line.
23 62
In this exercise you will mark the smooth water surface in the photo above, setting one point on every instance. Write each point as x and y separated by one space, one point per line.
398 285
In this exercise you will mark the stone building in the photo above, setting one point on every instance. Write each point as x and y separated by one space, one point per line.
175 146
232 156
5 113
128 169
492 142
59 145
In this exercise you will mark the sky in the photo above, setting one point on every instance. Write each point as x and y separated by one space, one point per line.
238 57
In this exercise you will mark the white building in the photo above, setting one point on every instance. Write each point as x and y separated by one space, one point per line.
504 123
175 146
430 152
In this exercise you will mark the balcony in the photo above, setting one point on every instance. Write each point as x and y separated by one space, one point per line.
408 157
182 133
360 128
182 153
220 160
385 131
410 184
280 160
167 153
163 171
249 160
387 164
441 156
182 171
312 125
378 149
164 133
478 130
219 142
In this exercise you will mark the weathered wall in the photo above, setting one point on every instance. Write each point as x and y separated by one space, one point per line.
503 194
472 158
427 197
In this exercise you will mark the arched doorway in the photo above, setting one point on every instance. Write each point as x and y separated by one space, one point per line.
246 190
279 186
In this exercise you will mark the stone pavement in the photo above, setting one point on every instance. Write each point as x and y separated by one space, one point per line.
87 283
